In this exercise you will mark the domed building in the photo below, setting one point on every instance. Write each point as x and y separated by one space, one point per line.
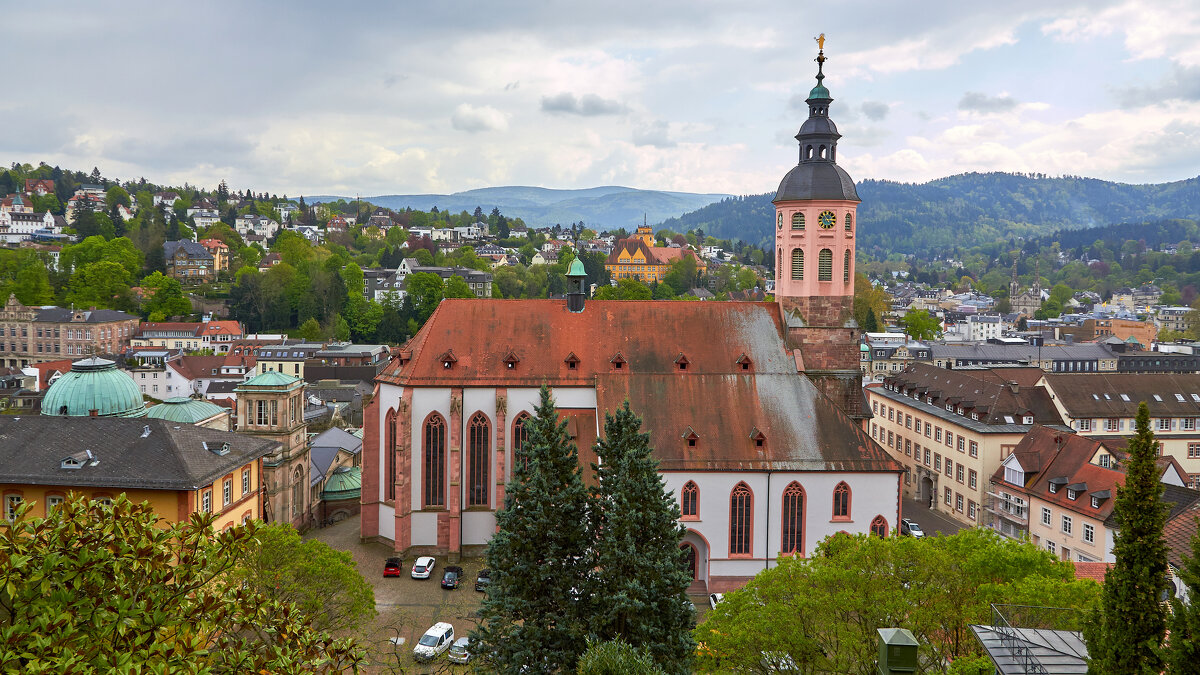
94 388
192 411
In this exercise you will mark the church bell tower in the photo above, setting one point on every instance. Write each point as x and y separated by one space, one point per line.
815 209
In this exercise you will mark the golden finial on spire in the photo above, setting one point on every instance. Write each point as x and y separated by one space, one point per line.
820 41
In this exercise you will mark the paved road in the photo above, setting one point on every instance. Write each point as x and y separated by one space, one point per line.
933 522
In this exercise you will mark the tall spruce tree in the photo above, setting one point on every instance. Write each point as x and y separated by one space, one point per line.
1183 648
534 615
1124 636
641 574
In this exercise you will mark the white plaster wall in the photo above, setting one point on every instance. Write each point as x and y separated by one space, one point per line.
389 399
424 528
387 522
871 494
478 527
526 399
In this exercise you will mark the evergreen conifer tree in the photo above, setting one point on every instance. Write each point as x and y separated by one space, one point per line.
1183 649
641 572
534 613
1124 636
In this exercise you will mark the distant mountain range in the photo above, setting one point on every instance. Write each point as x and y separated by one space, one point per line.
965 210
601 208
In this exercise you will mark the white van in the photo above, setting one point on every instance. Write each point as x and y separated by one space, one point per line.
435 641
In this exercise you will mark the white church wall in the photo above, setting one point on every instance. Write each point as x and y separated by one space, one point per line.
478 527
425 400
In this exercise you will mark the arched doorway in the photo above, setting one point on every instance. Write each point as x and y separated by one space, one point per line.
691 558
928 494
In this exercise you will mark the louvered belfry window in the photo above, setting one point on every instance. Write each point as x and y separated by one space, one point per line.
825 265
798 264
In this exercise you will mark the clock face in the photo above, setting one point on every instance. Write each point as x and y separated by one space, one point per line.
779 220
826 220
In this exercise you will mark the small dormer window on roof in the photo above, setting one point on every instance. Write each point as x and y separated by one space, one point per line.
682 362
691 437
448 359
618 362
511 360
572 361
759 438
744 362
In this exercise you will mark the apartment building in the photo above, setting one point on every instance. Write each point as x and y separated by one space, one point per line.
951 429
30 335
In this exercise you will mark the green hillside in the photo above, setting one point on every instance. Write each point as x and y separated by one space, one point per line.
964 210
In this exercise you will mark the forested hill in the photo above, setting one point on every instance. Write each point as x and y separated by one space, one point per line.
964 210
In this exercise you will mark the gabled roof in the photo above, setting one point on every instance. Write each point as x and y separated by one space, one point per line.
1100 394
171 456
712 335
992 393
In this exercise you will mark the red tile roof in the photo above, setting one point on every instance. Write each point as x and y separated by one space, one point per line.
1096 571
46 369
1178 534
722 403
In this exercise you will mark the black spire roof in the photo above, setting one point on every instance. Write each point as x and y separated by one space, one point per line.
817 176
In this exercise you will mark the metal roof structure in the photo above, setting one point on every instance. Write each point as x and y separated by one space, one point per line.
185 410
94 388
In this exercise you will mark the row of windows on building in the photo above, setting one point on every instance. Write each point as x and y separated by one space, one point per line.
950 407
918 425
827 220
206 497
13 501
1067 526
1118 424
923 455
72 333
824 265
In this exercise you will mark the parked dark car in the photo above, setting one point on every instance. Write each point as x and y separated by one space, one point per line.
392 567
483 580
452 577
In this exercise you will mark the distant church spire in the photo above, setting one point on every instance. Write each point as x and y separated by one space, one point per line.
819 135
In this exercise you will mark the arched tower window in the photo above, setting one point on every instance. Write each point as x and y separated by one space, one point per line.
849 220
741 519
389 455
797 221
520 437
479 458
821 152
808 152
879 526
798 264
297 492
825 265
689 500
841 502
793 519
846 267
434 474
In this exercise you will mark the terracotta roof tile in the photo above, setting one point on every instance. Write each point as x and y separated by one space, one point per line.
1096 571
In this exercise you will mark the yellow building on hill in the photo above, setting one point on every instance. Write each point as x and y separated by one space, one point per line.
638 258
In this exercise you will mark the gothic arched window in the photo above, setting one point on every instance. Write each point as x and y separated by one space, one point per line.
689 500
879 526
793 519
741 519
825 265
389 455
841 502
846 267
434 474
520 437
297 492
479 458
798 264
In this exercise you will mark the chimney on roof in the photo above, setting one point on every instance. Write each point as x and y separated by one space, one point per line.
1014 387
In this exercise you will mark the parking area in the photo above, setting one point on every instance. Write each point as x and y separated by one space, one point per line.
407 606
930 520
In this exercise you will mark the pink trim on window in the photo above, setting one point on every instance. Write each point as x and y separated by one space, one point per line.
741 521
842 502
689 493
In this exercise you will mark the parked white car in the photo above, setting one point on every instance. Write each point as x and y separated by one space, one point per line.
435 641
423 567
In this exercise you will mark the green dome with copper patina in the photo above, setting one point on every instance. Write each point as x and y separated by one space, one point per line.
94 388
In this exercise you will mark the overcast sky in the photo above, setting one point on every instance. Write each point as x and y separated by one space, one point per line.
698 96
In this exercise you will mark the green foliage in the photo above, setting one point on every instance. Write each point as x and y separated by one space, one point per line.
616 657
164 295
641 573
1125 635
103 284
97 249
104 589
626 289
1183 649
920 325
310 331
321 582
870 302
534 613
822 612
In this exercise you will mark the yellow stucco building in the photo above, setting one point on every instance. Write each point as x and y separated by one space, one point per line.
638 258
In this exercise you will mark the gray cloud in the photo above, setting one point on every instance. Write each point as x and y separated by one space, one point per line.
588 105
980 102
469 118
1182 84
875 110
655 133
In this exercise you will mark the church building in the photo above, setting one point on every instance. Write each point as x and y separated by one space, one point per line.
754 409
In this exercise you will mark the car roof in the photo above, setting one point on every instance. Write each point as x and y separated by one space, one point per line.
438 628
425 559
464 640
